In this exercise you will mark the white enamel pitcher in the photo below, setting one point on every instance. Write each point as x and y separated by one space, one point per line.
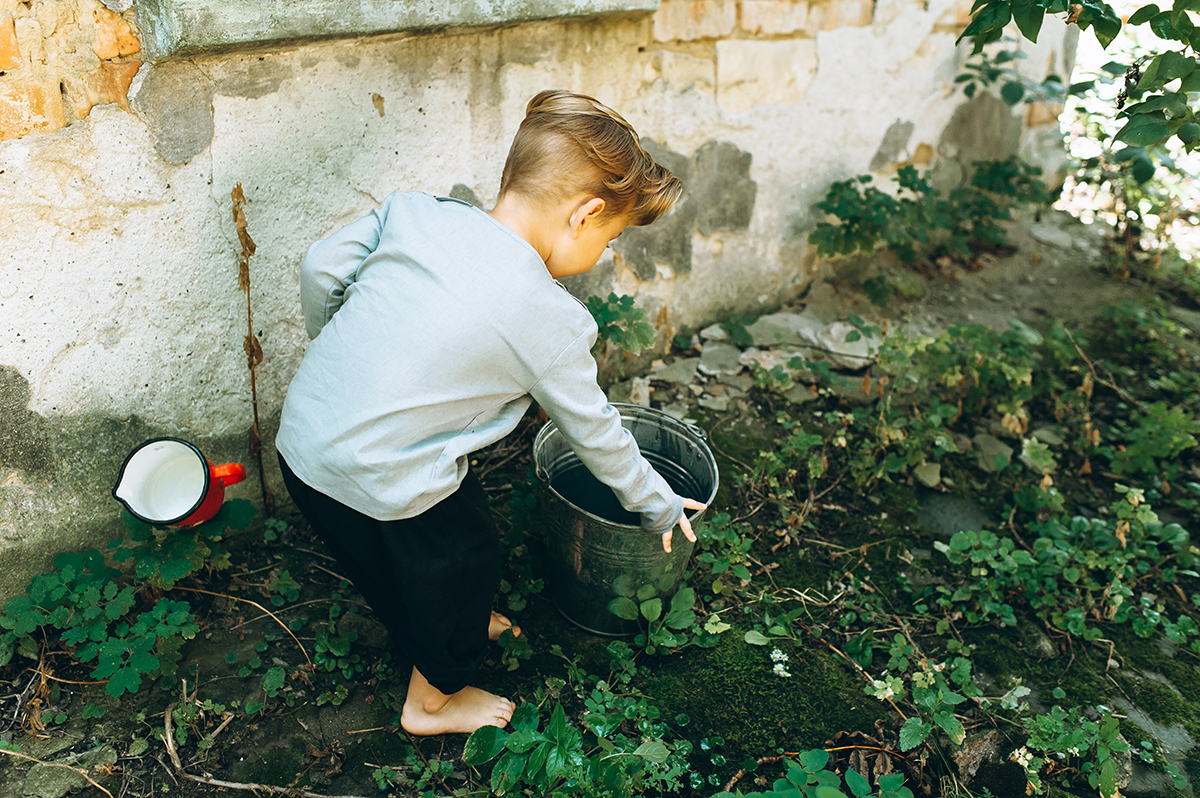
168 482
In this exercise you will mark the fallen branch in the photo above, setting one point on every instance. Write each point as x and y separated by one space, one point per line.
35 760
169 740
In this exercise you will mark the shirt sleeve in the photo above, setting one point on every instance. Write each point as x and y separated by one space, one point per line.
570 395
331 265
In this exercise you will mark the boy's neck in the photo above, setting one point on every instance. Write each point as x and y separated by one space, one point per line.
520 215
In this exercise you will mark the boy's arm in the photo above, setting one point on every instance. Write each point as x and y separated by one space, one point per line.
332 264
570 395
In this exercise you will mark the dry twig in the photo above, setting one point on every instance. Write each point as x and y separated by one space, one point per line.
37 761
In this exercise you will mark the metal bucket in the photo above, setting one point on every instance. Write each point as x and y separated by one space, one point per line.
593 558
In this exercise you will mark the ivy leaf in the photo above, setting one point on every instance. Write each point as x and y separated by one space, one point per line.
950 724
557 728
1189 133
507 772
1143 14
652 609
1012 92
483 744
913 733
1144 130
525 717
1164 29
993 16
653 750
685 599
857 784
521 741
124 680
623 608
756 638
1029 21
273 680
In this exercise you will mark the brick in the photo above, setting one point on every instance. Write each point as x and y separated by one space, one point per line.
751 73
688 20
108 84
10 53
30 106
114 37
774 17
841 14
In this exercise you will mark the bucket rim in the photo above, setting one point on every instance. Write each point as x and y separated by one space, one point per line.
689 430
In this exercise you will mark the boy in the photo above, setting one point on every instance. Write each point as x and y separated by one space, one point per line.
433 325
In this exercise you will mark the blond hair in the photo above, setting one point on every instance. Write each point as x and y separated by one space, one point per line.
571 144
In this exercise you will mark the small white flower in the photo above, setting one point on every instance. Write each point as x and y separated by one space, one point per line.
882 516
779 670
1022 757
778 656
941 666
1073 751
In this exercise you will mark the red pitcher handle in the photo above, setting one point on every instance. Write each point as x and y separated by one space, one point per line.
228 474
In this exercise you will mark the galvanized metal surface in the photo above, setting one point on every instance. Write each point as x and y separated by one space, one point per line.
591 559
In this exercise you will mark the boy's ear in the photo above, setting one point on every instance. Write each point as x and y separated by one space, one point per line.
586 211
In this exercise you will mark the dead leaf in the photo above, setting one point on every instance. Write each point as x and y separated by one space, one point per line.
378 100
1086 468
1075 10
1015 423
1047 482
866 385
1121 531
253 350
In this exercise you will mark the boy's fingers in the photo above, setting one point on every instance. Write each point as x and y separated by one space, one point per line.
692 504
686 526
667 540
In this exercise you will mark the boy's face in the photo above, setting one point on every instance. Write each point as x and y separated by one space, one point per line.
580 247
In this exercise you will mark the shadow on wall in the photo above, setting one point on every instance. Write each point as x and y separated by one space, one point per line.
718 196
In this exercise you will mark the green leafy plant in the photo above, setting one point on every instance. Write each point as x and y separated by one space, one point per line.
986 69
561 758
91 607
621 323
918 222
807 777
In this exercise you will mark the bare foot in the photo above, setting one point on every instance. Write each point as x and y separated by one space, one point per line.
429 711
498 624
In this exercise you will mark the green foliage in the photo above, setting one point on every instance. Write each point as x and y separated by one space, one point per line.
599 757
918 222
91 607
666 626
621 324
807 777
991 69
1160 113
1153 439
1079 572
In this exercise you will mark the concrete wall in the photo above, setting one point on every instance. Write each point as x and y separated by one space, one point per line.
120 313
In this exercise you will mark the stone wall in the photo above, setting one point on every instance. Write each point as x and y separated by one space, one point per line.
120 313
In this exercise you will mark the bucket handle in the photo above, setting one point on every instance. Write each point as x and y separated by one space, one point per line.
699 433
542 473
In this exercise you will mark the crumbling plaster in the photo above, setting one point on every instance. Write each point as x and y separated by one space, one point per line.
119 303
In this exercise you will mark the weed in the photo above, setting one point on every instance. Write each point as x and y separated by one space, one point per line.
621 324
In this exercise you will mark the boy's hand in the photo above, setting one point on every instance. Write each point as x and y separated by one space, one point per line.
684 524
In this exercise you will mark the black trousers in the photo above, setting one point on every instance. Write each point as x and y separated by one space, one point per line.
430 579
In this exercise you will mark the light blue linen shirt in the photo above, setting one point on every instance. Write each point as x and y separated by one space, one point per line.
433 324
